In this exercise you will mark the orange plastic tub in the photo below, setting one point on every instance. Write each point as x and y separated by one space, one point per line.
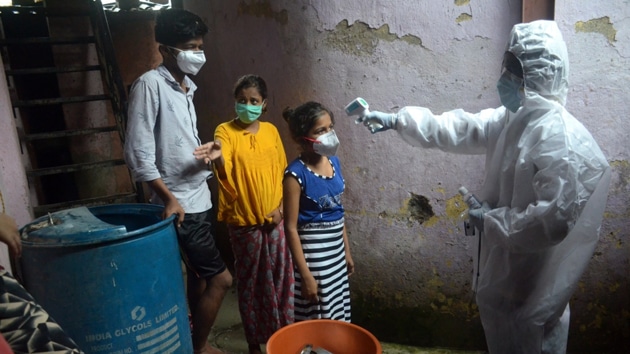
337 337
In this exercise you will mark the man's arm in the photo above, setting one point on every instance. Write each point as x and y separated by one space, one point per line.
171 205
140 145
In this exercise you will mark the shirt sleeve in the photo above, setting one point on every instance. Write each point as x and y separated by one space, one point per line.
140 146
226 184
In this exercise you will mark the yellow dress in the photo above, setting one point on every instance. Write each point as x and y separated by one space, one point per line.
254 166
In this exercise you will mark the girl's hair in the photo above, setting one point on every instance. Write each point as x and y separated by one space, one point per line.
302 118
175 26
247 81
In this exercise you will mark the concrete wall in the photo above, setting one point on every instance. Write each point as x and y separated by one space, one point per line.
413 262
598 40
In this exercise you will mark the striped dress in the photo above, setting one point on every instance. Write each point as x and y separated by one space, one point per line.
320 228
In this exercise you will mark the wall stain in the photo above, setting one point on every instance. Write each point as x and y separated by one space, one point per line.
361 40
619 244
432 221
455 208
263 9
362 171
623 168
394 318
600 312
415 209
462 2
600 25
420 209
463 17
614 287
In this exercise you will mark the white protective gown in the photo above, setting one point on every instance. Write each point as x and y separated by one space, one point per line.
546 182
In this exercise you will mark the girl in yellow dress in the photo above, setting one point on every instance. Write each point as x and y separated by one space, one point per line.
250 172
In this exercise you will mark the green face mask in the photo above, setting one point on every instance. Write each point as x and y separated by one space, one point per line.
248 113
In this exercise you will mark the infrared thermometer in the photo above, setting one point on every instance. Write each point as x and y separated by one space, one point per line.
360 107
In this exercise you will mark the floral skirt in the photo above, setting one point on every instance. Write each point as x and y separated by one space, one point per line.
264 280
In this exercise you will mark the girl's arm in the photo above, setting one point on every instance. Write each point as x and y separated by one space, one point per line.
347 249
221 136
291 206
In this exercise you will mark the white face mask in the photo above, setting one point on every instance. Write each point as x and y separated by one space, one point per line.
326 144
190 61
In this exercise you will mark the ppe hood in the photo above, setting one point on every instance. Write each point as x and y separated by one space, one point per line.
539 47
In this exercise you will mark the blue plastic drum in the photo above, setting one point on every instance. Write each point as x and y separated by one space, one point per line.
111 276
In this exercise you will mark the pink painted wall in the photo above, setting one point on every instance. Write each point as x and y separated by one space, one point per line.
13 185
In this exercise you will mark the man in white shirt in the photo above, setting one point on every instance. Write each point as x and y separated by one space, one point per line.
161 137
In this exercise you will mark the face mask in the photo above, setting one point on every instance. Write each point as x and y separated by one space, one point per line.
248 113
509 87
190 61
325 144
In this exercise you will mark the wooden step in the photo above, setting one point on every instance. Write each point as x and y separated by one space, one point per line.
47 40
54 70
65 11
74 168
59 100
68 133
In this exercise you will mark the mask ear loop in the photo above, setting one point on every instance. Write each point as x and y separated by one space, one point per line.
309 140
308 144
170 50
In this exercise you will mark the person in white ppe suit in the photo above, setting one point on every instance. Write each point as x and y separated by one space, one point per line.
544 194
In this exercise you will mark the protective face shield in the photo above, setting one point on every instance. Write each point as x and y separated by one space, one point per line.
325 144
248 113
190 61
510 89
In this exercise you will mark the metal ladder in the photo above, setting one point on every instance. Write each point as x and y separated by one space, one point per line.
69 104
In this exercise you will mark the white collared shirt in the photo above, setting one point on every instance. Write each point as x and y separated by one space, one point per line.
161 137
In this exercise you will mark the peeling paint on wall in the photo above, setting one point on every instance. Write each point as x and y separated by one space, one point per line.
361 40
623 170
416 209
463 17
263 9
455 207
599 25
419 208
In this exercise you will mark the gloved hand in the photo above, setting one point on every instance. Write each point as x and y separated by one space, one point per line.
476 215
379 121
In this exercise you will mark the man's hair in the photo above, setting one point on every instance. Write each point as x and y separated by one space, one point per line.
174 26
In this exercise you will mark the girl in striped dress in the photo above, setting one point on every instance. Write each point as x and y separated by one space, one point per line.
314 217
